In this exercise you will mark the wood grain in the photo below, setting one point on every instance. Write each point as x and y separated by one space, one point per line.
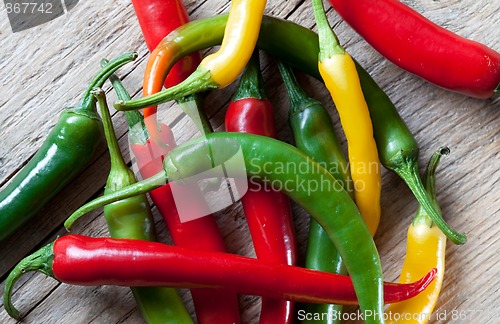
46 68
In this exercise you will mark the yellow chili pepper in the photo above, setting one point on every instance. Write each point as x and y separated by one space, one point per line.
339 73
238 44
219 69
425 249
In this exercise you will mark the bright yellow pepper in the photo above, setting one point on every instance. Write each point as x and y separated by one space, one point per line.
238 44
339 73
425 249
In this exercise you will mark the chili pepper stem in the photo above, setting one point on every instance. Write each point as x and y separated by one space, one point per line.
135 189
251 82
120 174
329 44
299 100
408 170
40 261
102 76
199 80
133 117
430 185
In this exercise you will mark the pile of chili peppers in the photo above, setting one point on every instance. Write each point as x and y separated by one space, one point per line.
342 265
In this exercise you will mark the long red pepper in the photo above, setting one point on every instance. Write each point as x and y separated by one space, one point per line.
420 46
87 261
202 233
268 212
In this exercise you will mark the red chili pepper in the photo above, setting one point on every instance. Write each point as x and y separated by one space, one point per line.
157 19
268 212
125 262
420 46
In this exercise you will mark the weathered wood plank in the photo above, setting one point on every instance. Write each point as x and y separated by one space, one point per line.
47 67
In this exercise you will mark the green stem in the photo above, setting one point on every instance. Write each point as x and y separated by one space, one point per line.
409 173
117 163
251 81
135 189
199 80
134 117
299 100
40 261
429 182
329 44
102 76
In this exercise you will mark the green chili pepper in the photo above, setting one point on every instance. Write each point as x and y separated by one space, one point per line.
314 135
347 229
299 47
131 218
68 150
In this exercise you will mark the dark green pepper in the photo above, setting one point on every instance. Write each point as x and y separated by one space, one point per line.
68 150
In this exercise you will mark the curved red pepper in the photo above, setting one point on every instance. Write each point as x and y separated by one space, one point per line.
157 19
126 262
420 46
268 212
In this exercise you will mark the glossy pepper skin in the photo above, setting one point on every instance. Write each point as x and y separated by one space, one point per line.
298 46
131 218
157 19
124 262
426 246
268 212
422 47
338 71
314 135
211 305
347 231
67 150
217 70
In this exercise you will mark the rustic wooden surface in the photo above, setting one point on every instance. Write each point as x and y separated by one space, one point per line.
46 68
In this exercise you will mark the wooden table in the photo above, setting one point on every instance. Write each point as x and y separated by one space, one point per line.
46 68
